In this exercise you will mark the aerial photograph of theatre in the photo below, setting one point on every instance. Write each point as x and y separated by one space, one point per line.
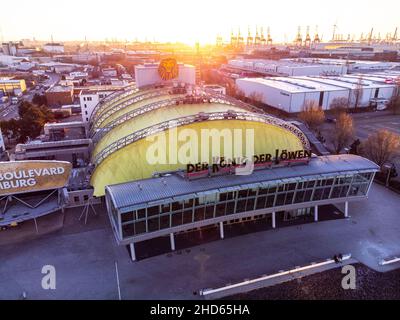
153 156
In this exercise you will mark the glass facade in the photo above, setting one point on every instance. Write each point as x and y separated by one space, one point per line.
240 199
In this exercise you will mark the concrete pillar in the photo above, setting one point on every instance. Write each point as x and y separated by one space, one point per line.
273 220
172 240
133 253
346 209
221 229
316 213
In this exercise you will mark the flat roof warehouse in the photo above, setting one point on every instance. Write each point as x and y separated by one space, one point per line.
290 94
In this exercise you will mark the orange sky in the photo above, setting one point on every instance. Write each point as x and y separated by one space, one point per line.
190 21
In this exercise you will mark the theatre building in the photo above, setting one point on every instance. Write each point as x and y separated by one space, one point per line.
191 181
146 200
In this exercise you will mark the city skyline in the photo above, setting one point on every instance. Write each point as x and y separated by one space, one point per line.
176 21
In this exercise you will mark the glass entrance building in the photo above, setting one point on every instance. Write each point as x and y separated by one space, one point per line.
155 207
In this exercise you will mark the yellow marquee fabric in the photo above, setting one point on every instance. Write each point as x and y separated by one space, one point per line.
131 162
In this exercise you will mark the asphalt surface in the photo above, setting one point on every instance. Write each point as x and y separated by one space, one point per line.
369 285
369 123
86 258
10 111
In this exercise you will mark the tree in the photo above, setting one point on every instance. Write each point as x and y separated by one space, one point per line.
312 114
30 124
32 119
10 128
394 103
381 146
339 105
235 92
358 92
343 132
256 98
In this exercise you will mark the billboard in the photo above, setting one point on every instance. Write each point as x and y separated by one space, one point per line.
28 176
168 69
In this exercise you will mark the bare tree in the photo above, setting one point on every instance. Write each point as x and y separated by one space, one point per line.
394 103
256 98
312 114
234 91
381 146
343 132
357 92
339 105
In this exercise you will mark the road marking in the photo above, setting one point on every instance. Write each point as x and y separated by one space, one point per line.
119 289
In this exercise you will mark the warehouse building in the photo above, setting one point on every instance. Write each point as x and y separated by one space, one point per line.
350 65
53 47
12 86
58 95
290 93
288 67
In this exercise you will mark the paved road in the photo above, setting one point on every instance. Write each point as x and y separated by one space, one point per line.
369 123
10 111
84 257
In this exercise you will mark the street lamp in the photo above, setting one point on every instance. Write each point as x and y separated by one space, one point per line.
389 169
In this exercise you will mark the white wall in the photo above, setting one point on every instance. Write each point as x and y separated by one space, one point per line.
54 49
270 95
88 102
286 101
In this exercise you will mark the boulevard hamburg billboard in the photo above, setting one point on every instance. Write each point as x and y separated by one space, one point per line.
28 176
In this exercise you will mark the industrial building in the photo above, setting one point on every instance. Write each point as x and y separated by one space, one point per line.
289 94
53 47
58 95
12 86
10 48
351 65
288 67
58 67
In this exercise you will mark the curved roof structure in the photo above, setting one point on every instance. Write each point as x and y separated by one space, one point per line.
128 128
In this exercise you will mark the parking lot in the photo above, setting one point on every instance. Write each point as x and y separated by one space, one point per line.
369 123
87 258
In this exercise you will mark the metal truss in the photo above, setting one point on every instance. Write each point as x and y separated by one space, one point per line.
108 101
200 117
206 94
99 119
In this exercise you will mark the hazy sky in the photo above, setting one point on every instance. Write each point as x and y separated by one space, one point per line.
190 20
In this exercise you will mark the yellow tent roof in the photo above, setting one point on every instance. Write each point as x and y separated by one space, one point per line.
157 116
